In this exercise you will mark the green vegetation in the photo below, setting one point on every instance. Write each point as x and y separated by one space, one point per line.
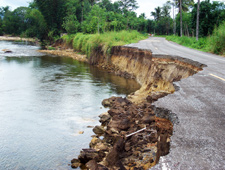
191 42
51 48
86 43
217 40
214 43
47 19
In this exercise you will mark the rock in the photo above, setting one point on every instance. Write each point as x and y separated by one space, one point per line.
87 155
101 146
113 112
114 155
7 51
119 123
109 102
94 142
75 163
92 165
104 118
148 119
99 130
101 167
110 148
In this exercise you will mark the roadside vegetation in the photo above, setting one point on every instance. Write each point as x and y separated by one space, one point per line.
48 19
214 43
86 43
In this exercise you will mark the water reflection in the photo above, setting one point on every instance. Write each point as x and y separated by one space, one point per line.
45 101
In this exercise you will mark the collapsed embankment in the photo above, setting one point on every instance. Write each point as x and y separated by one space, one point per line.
155 73
134 133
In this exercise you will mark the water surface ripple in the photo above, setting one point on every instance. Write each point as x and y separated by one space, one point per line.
44 102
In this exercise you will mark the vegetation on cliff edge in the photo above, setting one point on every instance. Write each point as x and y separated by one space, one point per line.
86 43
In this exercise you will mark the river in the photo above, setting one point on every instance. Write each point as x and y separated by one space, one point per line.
45 101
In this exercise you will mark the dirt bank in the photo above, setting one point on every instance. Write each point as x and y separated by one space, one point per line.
155 73
66 53
134 133
8 38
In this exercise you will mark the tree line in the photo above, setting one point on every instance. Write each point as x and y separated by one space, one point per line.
211 15
46 19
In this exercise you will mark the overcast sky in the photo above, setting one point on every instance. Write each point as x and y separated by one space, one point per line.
145 6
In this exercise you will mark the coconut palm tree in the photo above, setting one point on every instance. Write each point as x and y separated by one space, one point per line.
157 13
197 24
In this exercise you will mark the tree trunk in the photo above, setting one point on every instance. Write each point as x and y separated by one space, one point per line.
82 15
174 22
181 31
197 21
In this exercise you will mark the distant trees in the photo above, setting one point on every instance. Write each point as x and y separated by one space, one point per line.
48 18
210 15
163 21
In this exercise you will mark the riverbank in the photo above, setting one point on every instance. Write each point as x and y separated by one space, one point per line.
8 38
134 133
66 53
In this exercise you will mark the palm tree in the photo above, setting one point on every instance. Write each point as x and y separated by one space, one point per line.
181 31
157 14
183 6
197 24
166 14
82 9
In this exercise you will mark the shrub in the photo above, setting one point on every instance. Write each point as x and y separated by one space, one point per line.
217 40
86 43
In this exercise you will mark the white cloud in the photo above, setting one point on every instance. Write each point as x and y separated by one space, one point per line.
14 3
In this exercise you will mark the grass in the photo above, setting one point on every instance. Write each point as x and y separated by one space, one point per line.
87 43
217 40
214 43
51 48
191 42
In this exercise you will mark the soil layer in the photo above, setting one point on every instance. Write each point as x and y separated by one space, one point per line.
134 133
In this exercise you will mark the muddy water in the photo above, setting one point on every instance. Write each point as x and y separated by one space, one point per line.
44 102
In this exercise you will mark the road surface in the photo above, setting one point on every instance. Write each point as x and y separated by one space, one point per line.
198 141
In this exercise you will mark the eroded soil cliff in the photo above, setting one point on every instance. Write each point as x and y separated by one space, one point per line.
155 73
134 133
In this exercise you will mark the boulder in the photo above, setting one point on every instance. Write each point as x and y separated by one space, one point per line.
104 118
7 51
99 130
75 163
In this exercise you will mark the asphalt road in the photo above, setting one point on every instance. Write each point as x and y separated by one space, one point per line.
198 141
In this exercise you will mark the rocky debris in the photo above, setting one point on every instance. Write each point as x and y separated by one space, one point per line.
99 130
7 51
104 118
130 137
75 163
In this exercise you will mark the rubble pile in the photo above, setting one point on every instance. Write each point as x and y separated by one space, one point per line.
130 137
